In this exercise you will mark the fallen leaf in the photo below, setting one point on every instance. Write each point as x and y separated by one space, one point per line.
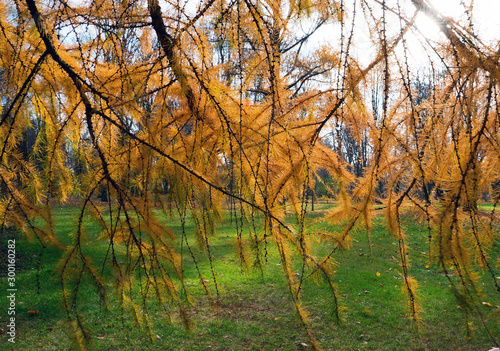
367 311
378 274
487 304
367 292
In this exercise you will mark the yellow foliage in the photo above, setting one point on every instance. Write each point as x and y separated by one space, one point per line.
140 112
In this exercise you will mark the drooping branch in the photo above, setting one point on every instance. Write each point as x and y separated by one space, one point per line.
168 44
24 88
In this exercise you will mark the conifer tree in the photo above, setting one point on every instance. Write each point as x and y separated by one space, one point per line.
189 108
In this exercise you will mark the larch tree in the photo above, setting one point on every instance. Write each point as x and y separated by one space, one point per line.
189 107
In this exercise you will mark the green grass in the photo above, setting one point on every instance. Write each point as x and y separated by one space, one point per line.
256 310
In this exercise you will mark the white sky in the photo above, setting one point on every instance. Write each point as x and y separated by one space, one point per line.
486 17
486 24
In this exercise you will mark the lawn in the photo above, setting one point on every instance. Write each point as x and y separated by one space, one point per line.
256 311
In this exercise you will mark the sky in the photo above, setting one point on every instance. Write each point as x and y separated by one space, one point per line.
486 24
486 18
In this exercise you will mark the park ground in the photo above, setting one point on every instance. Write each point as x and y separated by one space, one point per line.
256 311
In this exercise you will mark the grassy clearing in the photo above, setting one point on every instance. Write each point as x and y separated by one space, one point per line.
257 312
